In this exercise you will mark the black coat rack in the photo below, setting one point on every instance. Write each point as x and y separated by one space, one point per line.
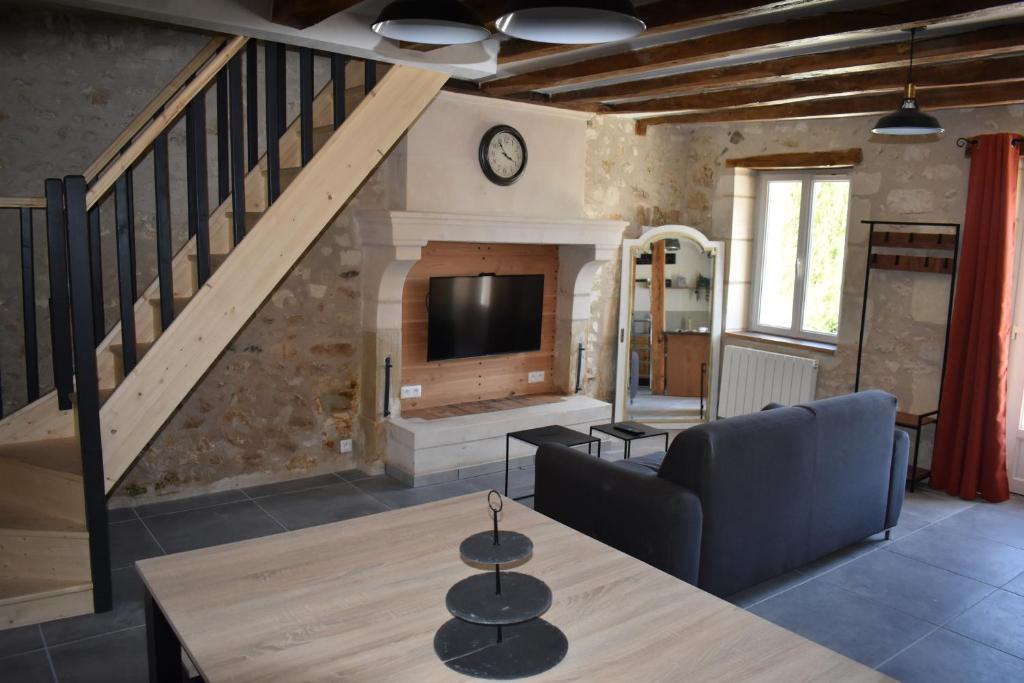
898 247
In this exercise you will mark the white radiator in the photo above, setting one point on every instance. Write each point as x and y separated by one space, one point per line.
752 378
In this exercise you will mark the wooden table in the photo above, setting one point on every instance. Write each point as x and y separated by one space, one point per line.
360 601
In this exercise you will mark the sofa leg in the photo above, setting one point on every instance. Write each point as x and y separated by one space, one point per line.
888 534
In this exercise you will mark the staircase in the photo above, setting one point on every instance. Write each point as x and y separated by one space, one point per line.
63 453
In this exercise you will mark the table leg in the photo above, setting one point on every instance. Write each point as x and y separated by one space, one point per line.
506 465
590 448
628 448
917 449
162 645
598 450
666 442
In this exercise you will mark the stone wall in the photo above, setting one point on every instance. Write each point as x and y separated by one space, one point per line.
678 174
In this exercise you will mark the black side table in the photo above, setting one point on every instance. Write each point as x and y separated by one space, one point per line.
637 431
553 434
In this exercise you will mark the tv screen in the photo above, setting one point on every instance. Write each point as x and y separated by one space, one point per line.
484 315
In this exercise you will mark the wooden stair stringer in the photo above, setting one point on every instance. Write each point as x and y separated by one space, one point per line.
183 354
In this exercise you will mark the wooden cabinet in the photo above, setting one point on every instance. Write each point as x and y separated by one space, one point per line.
685 353
641 344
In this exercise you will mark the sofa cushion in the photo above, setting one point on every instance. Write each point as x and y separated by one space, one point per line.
852 470
753 474
645 464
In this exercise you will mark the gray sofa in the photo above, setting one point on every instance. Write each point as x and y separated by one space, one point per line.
740 500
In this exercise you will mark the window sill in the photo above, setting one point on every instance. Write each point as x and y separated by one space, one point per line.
777 340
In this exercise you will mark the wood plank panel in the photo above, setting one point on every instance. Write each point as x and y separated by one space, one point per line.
686 353
915 264
836 158
926 77
476 379
914 240
1010 92
746 41
658 317
996 40
184 353
664 16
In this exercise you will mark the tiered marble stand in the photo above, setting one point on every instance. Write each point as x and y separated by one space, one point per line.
497 632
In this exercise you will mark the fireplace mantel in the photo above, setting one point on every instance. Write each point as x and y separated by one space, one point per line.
392 242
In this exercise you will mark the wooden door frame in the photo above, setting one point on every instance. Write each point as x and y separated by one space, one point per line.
651 234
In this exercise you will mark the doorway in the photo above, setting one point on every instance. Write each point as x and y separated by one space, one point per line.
1015 383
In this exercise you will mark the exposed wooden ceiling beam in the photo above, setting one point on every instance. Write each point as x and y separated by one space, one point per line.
746 41
987 42
664 16
1011 92
305 13
834 158
886 80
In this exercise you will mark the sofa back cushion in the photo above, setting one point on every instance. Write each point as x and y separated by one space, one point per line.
752 474
853 468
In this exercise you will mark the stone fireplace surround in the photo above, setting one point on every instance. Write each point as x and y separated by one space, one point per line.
420 452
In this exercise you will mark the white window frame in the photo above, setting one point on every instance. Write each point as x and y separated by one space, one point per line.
808 179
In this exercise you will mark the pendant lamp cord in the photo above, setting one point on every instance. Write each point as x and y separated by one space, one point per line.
910 67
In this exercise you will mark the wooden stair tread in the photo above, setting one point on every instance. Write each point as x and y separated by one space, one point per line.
15 519
251 219
141 349
180 302
61 455
19 589
216 260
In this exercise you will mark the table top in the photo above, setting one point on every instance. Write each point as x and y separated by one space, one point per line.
361 600
553 434
645 430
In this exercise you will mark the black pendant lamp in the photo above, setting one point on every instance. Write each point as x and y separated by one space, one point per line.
908 119
573 22
434 22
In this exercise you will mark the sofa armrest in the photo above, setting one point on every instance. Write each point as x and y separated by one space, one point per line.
639 513
897 477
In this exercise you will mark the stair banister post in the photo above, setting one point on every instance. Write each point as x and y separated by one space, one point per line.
60 328
87 391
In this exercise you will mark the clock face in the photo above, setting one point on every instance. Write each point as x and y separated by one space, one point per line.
503 155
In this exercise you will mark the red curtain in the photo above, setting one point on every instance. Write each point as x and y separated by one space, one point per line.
970 444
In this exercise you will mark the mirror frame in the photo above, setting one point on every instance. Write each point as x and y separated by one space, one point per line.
653 234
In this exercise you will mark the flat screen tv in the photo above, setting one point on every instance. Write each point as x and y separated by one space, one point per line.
484 315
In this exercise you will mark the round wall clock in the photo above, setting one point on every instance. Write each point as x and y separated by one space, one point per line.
503 155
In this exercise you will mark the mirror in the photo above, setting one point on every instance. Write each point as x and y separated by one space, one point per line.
670 324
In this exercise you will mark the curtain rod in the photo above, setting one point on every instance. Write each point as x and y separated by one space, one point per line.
964 142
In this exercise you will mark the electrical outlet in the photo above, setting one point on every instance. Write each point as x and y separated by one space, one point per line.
412 391
345 445
536 377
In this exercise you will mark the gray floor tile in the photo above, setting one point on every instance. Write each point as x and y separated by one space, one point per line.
119 657
290 486
908 524
211 526
933 505
767 589
978 558
321 506
193 503
130 542
520 482
997 522
353 475
1016 586
855 626
128 611
31 667
14 641
396 495
121 515
914 587
842 556
998 620
945 657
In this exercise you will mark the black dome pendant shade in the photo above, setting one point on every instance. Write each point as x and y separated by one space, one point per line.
434 22
908 119
573 22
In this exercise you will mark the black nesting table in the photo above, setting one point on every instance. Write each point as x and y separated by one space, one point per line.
553 434
636 431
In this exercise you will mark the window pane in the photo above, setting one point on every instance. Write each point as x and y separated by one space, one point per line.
829 209
778 268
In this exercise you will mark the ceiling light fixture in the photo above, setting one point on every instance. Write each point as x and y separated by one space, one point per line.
908 119
573 22
434 22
